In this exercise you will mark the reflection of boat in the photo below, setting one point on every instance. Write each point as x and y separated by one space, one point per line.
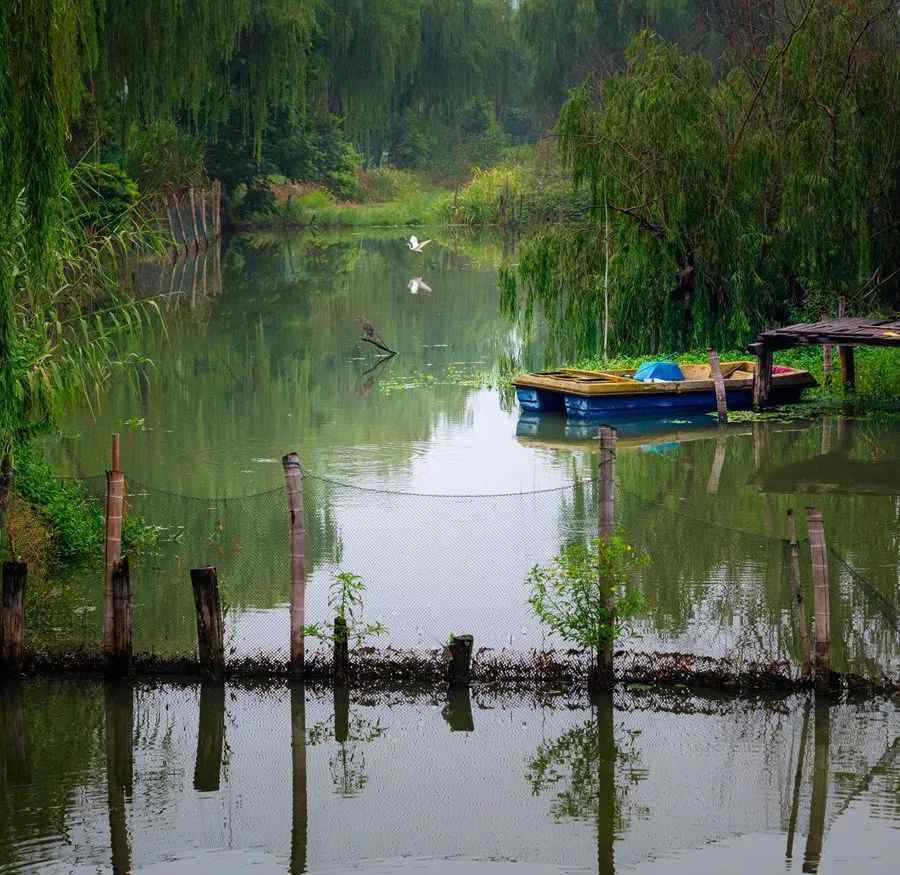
598 393
834 473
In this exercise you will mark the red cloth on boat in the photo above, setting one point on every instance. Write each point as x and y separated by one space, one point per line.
781 369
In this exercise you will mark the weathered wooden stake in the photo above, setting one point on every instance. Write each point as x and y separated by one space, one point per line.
607 488
716 371
293 484
119 657
459 666
210 624
210 738
821 603
203 195
196 240
12 614
115 506
341 651
799 601
762 378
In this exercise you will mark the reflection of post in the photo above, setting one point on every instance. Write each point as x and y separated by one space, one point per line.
300 819
607 488
819 800
210 738
14 733
341 713
715 473
798 781
827 434
762 452
119 700
606 786
458 710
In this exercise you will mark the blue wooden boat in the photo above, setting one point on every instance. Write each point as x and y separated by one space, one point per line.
592 394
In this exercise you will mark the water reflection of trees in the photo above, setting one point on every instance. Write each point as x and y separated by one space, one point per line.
589 776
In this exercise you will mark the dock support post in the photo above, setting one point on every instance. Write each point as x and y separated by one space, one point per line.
821 602
12 615
848 368
115 507
119 656
210 624
762 377
716 371
293 484
459 668
799 601
607 489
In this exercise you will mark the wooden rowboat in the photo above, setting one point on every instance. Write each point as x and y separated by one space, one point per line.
581 393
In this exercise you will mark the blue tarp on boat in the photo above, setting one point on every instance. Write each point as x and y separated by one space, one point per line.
658 371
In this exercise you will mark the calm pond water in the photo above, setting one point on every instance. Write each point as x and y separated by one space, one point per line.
269 359
183 779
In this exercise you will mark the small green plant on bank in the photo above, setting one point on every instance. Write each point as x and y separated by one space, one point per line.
345 599
572 595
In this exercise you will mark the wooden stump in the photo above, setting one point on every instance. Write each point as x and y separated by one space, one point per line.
719 383
12 615
459 667
210 738
210 623
762 377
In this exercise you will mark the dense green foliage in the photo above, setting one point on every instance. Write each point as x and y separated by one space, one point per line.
736 199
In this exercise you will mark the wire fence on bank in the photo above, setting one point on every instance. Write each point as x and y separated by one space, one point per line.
438 565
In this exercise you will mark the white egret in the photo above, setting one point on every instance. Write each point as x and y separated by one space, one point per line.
417 284
415 245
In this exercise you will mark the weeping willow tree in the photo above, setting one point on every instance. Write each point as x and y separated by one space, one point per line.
735 201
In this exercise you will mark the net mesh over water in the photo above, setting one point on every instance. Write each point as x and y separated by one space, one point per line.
436 565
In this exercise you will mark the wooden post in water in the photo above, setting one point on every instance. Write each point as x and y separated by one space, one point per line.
341 651
293 484
459 668
115 505
799 601
848 368
119 743
818 803
606 484
12 615
203 195
210 624
217 208
119 656
194 218
821 602
716 372
299 802
762 376
177 203
210 737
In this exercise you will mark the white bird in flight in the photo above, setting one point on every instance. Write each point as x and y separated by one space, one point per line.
415 245
417 284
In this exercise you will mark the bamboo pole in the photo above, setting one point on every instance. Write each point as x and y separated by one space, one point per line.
203 195
115 506
799 601
606 524
819 556
716 371
210 624
293 483
12 615
176 202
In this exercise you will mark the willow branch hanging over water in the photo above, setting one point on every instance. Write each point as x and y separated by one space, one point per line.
736 200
